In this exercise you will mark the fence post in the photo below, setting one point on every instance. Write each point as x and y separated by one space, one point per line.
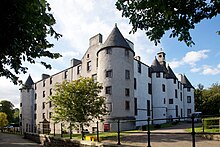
54 129
148 132
193 132
70 131
203 127
97 131
61 125
119 142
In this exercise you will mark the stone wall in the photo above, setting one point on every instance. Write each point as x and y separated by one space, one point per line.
50 141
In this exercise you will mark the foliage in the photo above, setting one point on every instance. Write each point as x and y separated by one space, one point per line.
3 120
210 100
158 16
7 107
211 122
16 116
24 28
78 102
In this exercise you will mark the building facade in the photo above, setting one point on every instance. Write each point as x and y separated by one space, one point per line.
133 90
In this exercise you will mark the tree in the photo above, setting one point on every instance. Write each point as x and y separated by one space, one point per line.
3 120
158 16
78 102
24 28
7 108
16 116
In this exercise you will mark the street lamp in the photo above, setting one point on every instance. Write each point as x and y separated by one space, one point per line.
200 86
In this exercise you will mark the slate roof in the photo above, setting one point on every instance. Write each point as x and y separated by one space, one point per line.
29 82
185 82
156 67
116 39
170 73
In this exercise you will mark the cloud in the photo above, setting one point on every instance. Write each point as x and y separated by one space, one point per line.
194 69
208 70
190 58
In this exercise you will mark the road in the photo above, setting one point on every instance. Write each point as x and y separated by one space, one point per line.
11 140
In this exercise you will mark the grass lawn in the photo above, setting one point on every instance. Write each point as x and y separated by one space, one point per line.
199 130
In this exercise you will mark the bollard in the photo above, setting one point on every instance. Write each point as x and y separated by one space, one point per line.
193 132
70 131
61 125
148 132
97 131
54 129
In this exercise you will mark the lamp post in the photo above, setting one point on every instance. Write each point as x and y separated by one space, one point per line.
200 86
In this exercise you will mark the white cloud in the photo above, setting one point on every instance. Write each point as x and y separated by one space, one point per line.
218 65
194 69
190 58
208 70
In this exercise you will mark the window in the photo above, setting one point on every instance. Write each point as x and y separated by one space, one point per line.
170 101
89 66
176 96
164 75
43 93
135 83
43 105
149 73
35 116
43 115
174 81
109 107
181 96
35 96
50 114
135 107
20 104
51 80
65 74
127 52
177 114
127 74
50 104
189 111
188 99
127 92
181 112
79 69
127 105
164 101
108 50
94 77
50 91
35 106
188 89
178 85
87 55
43 83
21 116
163 88
35 87
108 90
108 73
139 67
149 88
158 75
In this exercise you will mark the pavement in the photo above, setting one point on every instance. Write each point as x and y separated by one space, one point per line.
165 140
12 140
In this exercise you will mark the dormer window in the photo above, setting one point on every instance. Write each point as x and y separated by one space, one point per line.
127 52
158 75
108 50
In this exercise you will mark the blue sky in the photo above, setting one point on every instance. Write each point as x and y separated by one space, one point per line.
78 20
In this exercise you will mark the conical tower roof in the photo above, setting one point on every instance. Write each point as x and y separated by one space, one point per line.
186 82
156 67
29 82
116 39
170 73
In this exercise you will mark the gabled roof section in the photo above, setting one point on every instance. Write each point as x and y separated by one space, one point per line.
156 67
170 73
29 82
185 82
116 39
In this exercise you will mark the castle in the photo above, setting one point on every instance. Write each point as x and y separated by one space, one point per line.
133 90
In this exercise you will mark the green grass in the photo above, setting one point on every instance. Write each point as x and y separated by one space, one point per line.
200 130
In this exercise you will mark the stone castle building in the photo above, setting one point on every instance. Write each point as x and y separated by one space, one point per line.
133 90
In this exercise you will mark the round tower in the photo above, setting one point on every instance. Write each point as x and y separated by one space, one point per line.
27 106
116 73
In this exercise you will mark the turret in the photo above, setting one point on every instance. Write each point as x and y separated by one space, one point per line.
116 73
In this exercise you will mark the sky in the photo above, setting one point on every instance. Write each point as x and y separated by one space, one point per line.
79 20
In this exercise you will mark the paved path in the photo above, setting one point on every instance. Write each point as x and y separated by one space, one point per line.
11 140
166 140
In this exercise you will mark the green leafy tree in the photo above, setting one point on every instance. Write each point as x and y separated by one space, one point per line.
7 107
158 16
3 120
78 102
16 116
24 28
